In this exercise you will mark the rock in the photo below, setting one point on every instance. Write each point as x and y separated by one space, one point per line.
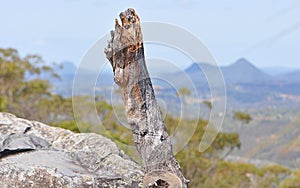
33 154
20 142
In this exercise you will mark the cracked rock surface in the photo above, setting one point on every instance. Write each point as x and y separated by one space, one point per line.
33 154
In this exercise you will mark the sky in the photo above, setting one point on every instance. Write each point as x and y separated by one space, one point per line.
267 33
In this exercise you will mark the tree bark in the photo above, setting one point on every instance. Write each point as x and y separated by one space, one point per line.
125 52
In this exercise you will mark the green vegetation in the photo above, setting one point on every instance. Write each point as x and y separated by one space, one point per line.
24 93
292 181
184 92
208 104
243 117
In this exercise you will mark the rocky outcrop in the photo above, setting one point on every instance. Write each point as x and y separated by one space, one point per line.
33 154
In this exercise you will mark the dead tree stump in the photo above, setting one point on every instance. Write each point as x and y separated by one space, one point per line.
125 52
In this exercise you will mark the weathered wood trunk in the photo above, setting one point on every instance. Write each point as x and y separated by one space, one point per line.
125 52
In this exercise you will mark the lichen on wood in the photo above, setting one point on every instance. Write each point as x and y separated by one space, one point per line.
125 51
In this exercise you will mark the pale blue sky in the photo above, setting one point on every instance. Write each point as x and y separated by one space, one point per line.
265 32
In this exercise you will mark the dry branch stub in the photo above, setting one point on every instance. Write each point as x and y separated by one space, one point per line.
125 51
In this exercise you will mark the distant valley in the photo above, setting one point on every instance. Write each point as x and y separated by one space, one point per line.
273 101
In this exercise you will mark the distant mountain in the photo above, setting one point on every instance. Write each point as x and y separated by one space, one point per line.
67 71
199 67
199 73
245 83
276 71
242 71
291 76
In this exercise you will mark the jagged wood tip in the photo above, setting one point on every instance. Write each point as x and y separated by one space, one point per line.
125 52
